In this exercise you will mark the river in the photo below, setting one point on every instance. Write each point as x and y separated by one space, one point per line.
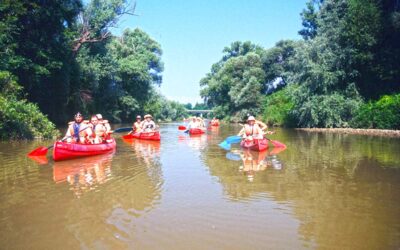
325 191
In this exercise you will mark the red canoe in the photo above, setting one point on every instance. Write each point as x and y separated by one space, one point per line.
255 145
65 151
196 131
153 136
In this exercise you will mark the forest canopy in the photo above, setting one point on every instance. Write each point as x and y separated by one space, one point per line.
347 63
60 57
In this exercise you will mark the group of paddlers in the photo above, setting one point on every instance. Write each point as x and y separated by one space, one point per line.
196 122
98 130
93 131
147 125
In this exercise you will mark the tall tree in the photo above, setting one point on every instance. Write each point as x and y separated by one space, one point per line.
309 18
36 42
118 76
235 84
96 19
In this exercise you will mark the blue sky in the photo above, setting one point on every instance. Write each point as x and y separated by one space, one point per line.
193 33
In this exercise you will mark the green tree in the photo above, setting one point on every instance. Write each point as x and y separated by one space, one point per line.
277 64
20 119
235 83
97 18
35 44
309 18
188 106
278 107
327 95
381 114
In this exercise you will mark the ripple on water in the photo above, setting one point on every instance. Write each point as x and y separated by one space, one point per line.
186 192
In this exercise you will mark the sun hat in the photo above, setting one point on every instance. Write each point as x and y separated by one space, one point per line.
99 116
138 117
148 115
251 118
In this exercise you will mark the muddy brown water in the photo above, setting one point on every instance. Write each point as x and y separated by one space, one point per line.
325 191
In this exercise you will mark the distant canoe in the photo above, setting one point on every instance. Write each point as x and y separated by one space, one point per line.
153 136
196 131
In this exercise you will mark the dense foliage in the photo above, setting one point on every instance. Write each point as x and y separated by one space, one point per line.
278 107
350 55
19 118
384 113
63 58
235 81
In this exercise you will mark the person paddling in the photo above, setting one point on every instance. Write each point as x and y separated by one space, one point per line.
214 121
251 130
77 130
148 124
264 127
107 126
137 125
98 130
201 123
105 123
193 123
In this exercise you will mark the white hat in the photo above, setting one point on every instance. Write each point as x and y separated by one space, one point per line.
251 118
148 115
99 116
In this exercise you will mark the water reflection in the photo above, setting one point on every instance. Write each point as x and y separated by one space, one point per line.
41 160
213 129
340 187
197 142
83 174
253 161
146 151
322 192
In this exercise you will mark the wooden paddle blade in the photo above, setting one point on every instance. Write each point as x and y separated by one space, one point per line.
278 144
39 151
119 130
182 127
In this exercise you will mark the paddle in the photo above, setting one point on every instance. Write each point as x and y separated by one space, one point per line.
233 139
226 144
276 144
119 130
43 150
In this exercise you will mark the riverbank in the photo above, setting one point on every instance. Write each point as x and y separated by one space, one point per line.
372 132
